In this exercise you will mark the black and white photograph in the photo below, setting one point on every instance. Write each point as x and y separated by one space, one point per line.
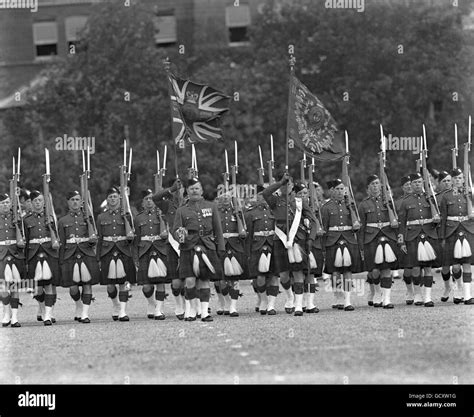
236 207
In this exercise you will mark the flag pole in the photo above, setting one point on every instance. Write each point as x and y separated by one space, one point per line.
167 65
292 61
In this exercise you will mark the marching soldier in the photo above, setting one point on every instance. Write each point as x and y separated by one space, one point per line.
340 241
418 239
197 227
261 225
405 183
168 200
235 263
291 247
12 264
151 254
457 234
42 257
445 184
77 257
114 252
379 240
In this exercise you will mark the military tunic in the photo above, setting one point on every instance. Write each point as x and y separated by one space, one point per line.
376 230
416 226
168 205
10 253
39 249
455 225
149 245
337 223
113 245
318 253
260 227
202 221
76 248
278 205
234 245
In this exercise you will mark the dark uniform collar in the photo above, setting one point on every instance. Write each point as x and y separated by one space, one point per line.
115 211
74 213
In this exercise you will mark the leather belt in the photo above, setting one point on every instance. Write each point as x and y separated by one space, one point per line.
77 240
151 238
379 225
7 242
199 232
458 218
264 233
40 241
340 228
114 238
420 222
228 235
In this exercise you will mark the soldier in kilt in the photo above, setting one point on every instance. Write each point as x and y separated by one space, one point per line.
297 242
151 255
405 183
444 185
77 257
114 252
42 258
457 235
379 240
260 226
418 239
12 264
198 228
340 241
168 200
234 263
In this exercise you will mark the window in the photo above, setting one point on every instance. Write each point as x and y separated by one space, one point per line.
165 28
45 35
74 24
237 19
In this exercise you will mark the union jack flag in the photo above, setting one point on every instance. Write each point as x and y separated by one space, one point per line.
196 111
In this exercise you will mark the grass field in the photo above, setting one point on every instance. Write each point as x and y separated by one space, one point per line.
408 345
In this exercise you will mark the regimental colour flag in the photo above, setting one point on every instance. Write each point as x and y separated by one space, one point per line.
196 111
311 126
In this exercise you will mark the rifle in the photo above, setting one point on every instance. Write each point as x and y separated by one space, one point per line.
160 173
435 213
239 214
271 163
467 174
261 170
313 201
50 215
349 195
87 209
302 166
387 197
455 149
124 201
14 191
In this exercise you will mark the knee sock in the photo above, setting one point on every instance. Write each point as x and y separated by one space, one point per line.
6 300
86 302
467 279
123 298
14 303
204 297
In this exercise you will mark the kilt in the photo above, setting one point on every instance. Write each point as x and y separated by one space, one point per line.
172 264
356 260
67 268
53 265
319 257
20 265
241 259
411 258
186 266
142 274
303 265
279 261
128 266
448 252
371 248
255 258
